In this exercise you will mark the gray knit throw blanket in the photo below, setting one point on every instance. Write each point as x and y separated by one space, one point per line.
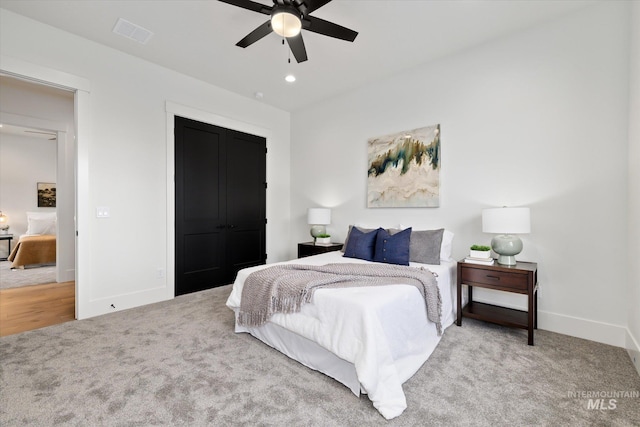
285 288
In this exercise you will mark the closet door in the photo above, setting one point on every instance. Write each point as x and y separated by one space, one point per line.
200 184
246 201
220 204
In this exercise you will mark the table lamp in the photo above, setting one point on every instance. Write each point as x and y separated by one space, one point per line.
4 224
506 222
318 219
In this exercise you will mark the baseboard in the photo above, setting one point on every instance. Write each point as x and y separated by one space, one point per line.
633 348
99 306
67 275
605 333
587 329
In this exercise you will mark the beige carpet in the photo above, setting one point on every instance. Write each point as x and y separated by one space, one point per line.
36 275
179 362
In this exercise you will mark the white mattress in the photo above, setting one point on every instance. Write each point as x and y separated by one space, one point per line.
372 339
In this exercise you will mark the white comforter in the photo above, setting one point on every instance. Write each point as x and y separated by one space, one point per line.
383 331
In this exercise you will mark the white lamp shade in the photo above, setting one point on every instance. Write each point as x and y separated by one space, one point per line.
4 224
506 220
319 216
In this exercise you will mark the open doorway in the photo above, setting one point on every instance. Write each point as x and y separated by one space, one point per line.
28 169
37 197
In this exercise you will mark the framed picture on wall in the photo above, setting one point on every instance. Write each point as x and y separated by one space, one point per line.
404 169
46 194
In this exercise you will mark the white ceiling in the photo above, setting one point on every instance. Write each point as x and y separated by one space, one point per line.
198 38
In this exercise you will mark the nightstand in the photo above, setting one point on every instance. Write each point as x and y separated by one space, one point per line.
521 278
309 248
8 238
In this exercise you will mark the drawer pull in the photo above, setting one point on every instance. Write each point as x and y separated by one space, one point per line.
493 277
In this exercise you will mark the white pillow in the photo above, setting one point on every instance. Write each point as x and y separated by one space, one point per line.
41 215
447 243
41 223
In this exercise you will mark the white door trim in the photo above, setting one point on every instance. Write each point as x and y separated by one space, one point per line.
48 76
174 109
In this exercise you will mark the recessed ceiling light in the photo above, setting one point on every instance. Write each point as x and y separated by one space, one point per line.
290 78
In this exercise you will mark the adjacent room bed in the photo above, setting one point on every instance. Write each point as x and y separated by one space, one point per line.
32 250
371 337
38 244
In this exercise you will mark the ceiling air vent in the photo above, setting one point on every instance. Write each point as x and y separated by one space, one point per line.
132 31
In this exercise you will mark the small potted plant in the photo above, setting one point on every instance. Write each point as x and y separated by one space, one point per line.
480 251
323 239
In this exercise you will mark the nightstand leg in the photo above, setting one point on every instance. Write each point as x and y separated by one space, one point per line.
530 317
535 311
459 311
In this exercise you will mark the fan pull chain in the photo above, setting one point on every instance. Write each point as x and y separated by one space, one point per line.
289 51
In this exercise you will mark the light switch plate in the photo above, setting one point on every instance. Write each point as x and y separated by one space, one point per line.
102 212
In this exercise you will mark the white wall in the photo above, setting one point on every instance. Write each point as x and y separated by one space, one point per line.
126 154
633 339
537 119
24 161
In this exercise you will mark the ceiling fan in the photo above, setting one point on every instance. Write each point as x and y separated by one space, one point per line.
288 18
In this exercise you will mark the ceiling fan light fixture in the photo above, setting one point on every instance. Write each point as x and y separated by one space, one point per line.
287 18
286 23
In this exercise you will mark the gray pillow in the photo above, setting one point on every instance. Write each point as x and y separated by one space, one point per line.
425 246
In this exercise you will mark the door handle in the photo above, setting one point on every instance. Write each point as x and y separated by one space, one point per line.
231 226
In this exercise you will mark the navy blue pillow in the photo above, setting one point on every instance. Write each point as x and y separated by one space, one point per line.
361 245
393 249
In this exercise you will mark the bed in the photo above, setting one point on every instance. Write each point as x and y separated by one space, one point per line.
371 339
31 250
38 244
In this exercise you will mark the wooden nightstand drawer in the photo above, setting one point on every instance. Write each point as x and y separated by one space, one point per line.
495 279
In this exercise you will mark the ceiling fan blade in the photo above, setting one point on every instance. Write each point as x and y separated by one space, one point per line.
255 35
315 4
250 5
296 44
330 29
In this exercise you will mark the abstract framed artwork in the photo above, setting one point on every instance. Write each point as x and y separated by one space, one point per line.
404 169
46 195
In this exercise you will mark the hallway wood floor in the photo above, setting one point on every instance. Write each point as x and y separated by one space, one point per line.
32 307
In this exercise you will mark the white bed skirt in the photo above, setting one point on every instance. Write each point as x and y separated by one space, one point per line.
306 352
313 356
